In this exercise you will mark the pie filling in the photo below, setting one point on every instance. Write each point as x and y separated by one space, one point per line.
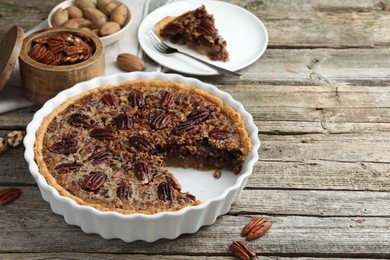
195 29
110 147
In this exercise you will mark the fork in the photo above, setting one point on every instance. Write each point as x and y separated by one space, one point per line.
164 48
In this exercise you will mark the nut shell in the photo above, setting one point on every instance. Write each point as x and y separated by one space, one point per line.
129 62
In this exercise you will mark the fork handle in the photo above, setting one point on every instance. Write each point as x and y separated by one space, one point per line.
219 69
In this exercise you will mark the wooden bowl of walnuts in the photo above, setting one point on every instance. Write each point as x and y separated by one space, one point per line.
55 59
108 19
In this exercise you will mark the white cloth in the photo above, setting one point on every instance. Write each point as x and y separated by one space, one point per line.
12 96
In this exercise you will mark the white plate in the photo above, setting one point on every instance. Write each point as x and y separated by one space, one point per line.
245 34
217 195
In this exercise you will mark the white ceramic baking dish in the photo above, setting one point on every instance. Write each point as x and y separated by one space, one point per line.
217 195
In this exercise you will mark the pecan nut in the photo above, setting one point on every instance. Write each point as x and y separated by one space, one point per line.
140 144
61 49
220 134
68 167
242 250
109 100
80 120
66 146
198 115
103 134
9 195
15 138
3 145
100 157
160 121
166 191
143 172
256 228
167 101
124 192
206 27
185 128
123 122
94 181
136 99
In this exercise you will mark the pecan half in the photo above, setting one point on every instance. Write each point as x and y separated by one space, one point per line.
123 122
109 100
68 167
198 115
140 144
80 120
143 172
171 29
185 128
66 146
103 134
165 191
256 228
124 192
94 181
100 157
160 121
136 98
242 250
167 101
206 28
8 195
220 134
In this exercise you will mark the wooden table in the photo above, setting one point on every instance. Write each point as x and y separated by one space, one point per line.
320 96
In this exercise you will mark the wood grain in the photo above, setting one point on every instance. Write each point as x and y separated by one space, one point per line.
320 98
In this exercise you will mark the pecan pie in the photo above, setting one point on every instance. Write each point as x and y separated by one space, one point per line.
197 30
110 147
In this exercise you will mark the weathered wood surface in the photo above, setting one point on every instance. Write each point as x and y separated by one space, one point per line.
320 97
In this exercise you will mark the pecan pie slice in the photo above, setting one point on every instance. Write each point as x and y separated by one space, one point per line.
110 147
197 30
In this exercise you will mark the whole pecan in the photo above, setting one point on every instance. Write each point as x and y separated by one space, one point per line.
61 49
8 195
66 146
185 128
143 172
80 120
171 29
220 134
123 122
167 101
68 167
198 115
100 157
160 121
103 134
136 98
109 100
207 28
256 228
124 192
140 144
94 181
166 191
242 250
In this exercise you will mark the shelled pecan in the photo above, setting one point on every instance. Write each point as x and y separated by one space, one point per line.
9 195
61 49
256 228
242 250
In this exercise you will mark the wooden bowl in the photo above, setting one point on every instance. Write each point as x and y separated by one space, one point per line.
42 82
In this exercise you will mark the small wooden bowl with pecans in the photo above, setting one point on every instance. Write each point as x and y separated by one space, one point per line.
55 59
